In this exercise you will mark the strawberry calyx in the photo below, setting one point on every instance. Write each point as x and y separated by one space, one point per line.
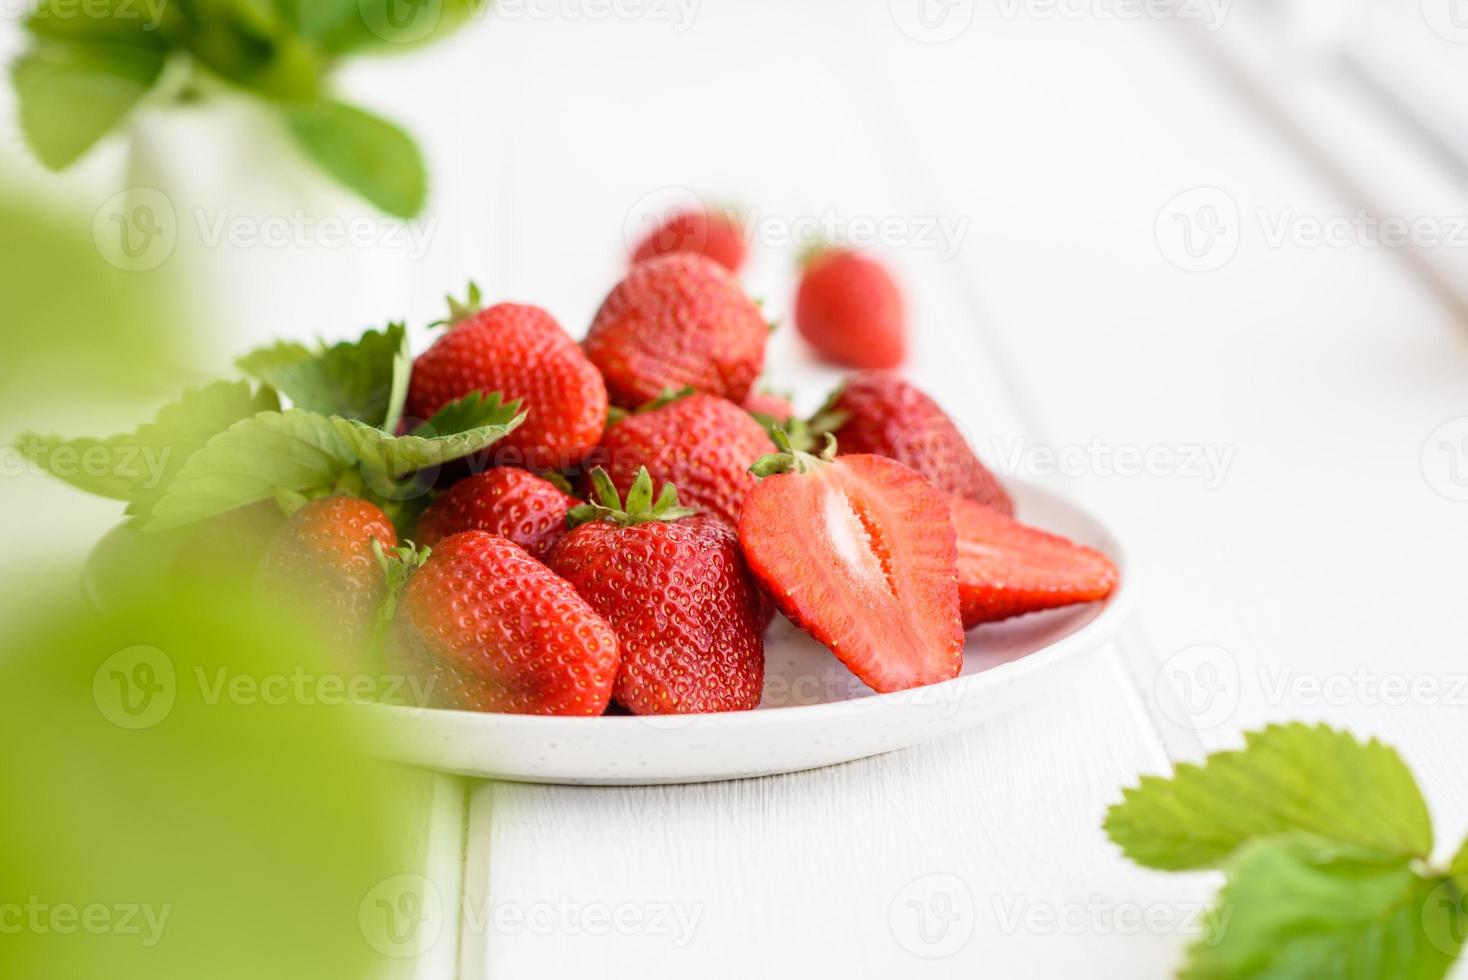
461 311
639 507
805 434
398 565
792 459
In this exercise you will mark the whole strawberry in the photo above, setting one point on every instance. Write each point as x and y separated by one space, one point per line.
701 444
860 552
676 590
677 322
489 628
849 309
712 234
887 416
322 564
522 353
510 502
1006 568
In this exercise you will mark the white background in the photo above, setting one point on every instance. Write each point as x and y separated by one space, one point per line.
1320 570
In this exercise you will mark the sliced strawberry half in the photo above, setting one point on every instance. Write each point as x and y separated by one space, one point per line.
859 552
1006 568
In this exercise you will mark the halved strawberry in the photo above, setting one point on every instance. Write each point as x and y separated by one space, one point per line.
1006 568
859 551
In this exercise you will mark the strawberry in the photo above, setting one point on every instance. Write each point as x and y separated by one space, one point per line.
677 592
701 444
510 502
715 235
769 407
1006 568
322 562
849 309
677 322
885 415
859 551
492 629
521 352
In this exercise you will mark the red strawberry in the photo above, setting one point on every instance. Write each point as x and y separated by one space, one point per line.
701 444
849 309
677 592
521 352
1006 568
677 322
715 235
775 407
322 563
889 417
859 552
492 629
512 503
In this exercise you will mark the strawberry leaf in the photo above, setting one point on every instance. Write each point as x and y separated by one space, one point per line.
71 95
137 467
461 428
1303 907
370 155
365 379
1287 779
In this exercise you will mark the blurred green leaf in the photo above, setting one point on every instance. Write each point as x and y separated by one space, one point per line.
363 379
1287 778
252 44
386 26
369 155
138 466
137 22
71 95
1300 908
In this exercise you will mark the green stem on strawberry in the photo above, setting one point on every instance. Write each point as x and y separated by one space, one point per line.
803 434
459 312
398 565
639 508
791 459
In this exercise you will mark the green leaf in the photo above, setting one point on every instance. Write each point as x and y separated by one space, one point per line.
1287 778
71 95
473 410
369 155
139 466
135 22
364 380
462 428
298 451
385 26
293 451
1459 867
253 44
1300 907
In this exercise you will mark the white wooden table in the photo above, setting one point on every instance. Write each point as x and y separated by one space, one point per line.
1323 542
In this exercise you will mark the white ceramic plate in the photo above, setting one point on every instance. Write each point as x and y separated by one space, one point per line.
815 712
